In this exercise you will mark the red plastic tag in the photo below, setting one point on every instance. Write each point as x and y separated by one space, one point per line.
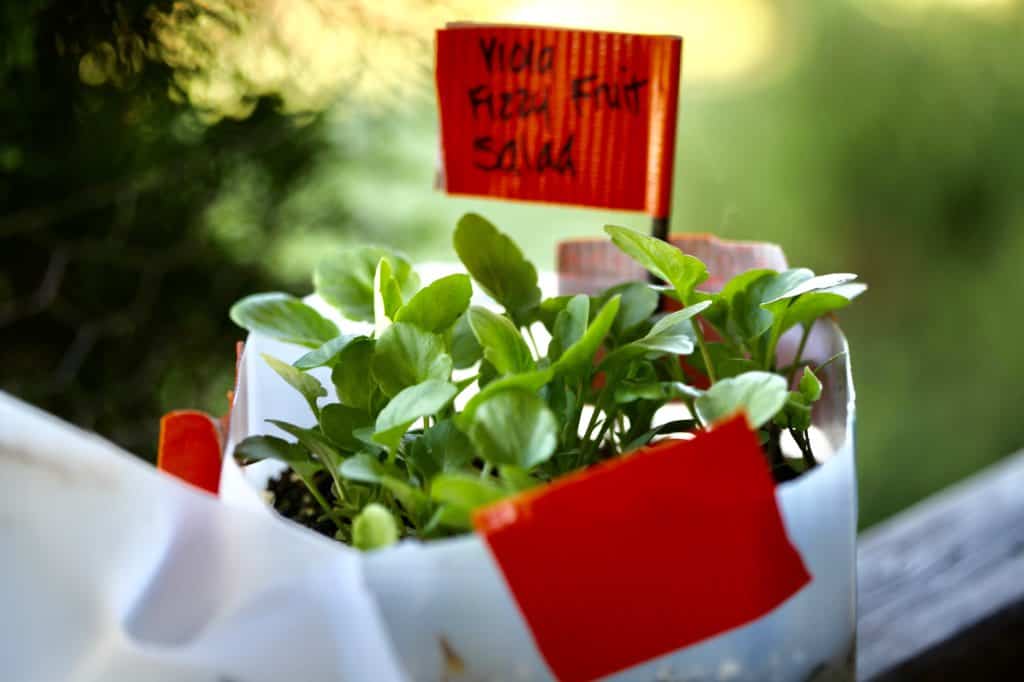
646 554
190 448
558 115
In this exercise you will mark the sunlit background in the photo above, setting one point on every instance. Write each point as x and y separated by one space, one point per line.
159 160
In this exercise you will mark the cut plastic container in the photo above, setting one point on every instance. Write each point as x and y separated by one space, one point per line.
450 611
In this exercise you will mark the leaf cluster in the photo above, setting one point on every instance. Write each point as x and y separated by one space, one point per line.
448 406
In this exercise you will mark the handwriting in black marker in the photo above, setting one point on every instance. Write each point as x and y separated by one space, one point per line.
514 156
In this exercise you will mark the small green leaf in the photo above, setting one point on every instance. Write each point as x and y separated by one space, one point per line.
497 264
549 309
664 391
465 492
809 307
258 448
437 306
514 427
682 271
354 384
749 317
412 403
449 516
638 303
339 423
817 283
313 441
465 349
719 313
796 414
307 385
443 447
387 296
759 394
672 334
284 318
414 500
518 479
810 386
374 528
527 381
326 355
570 325
345 281
365 468
503 345
406 355
579 358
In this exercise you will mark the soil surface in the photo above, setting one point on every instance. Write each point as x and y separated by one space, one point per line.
292 499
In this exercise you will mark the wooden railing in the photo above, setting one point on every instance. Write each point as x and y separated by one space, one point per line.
941 585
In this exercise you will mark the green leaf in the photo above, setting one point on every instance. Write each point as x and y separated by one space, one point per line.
346 281
759 394
718 313
570 325
810 386
638 303
465 349
749 319
365 468
672 334
465 492
449 516
313 441
414 500
354 384
374 528
514 427
412 403
731 367
664 391
406 355
497 264
527 381
387 296
258 448
818 283
796 414
549 309
579 358
437 306
307 385
339 423
327 354
443 447
809 307
682 271
284 318
503 345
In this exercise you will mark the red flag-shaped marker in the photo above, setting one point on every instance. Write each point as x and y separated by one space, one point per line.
646 554
559 115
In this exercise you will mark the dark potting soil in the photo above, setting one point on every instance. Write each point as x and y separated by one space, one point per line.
293 500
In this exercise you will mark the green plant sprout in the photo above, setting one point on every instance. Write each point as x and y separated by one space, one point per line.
394 458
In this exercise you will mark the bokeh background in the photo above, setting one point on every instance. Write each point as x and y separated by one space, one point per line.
159 160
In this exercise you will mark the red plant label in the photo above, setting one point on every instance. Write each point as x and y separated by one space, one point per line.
646 554
557 115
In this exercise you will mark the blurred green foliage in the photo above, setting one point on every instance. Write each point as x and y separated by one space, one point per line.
886 143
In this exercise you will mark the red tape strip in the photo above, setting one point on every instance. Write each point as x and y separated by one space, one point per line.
190 448
647 554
